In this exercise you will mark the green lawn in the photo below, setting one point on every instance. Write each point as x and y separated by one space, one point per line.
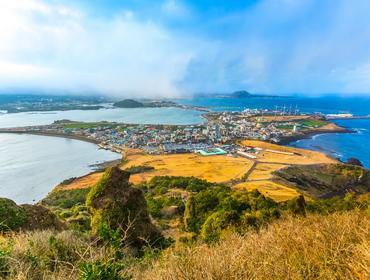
84 125
312 123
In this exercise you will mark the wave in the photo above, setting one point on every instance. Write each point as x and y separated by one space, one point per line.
42 113
314 137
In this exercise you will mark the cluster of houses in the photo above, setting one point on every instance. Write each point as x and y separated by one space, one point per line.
221 128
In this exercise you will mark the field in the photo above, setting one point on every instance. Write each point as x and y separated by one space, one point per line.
87 125
299 156
83 182
216 169
270 189
271 159
238 171
263 171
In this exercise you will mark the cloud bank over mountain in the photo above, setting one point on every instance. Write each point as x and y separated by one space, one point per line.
174 48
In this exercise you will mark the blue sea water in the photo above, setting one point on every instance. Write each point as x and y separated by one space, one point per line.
30 165
135 115
341 145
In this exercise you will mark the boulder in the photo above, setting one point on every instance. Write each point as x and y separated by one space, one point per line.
115 204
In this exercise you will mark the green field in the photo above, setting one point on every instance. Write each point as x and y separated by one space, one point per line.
312 123
83 125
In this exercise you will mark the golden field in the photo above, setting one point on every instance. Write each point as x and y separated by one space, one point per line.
300 156
270 189
211 168
263 171
218 169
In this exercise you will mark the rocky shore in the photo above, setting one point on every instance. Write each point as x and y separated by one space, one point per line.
329 128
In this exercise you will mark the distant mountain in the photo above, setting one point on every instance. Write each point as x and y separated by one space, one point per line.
128 103
241 94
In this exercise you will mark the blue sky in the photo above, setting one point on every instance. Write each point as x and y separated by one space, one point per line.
174 48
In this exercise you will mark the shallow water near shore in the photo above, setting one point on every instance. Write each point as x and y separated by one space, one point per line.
135 115
30 166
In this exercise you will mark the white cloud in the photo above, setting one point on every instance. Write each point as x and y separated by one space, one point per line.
58 47
281 46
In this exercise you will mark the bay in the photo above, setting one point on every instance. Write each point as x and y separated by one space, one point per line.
30 165
175 116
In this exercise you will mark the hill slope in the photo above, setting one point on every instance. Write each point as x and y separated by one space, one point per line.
325 180
318 247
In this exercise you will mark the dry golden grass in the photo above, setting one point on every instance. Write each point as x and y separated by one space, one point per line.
33 257
332 126
316 247
212 168
270 189
300 156
263 171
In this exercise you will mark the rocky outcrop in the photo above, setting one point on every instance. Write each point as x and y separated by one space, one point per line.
26 217
326 180
115 204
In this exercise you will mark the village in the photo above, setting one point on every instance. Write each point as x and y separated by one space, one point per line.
219 134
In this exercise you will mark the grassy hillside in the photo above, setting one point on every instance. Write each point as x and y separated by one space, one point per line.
316 247
174 227
334 246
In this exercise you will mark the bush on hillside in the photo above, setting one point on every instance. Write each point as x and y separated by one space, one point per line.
15 217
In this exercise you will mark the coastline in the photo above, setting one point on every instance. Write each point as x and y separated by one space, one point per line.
51 134
309 134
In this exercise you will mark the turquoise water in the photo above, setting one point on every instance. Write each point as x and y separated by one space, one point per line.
135 115
341 145
30 166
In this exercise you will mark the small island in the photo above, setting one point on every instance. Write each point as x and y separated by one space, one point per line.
148 103
128 103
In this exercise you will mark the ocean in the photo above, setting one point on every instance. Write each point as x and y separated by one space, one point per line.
135 115
30 165
338 145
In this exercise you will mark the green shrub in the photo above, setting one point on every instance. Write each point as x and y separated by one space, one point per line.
216 223
212 210
4 262
297 206
334 204
139 169
160 184
12 216
66 198
102 270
